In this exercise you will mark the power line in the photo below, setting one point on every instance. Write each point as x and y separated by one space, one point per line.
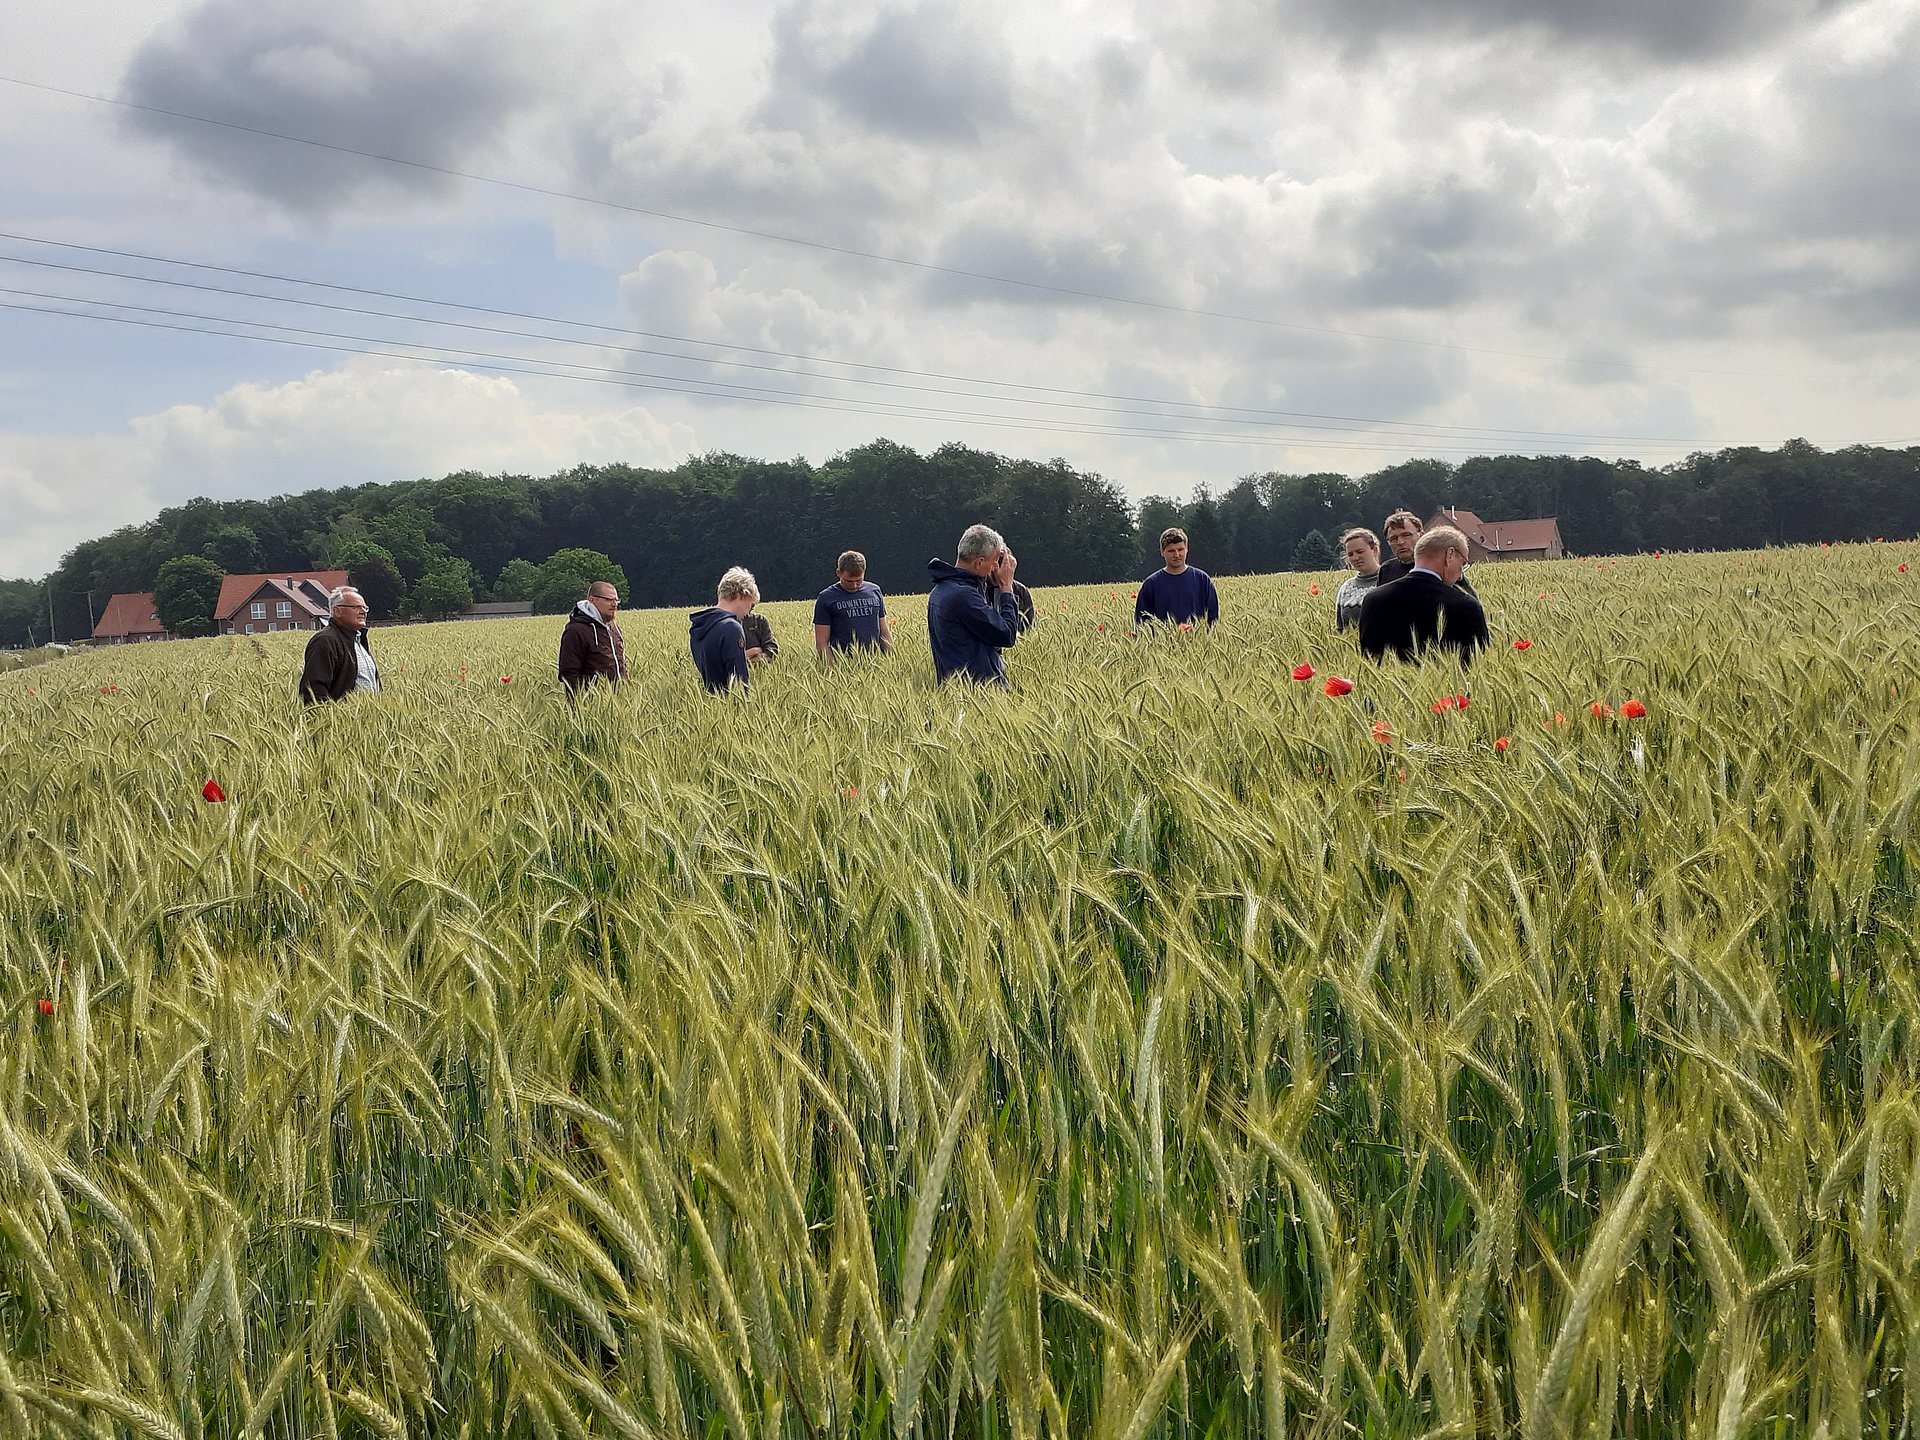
1291 416
827 247
1355 428
625 380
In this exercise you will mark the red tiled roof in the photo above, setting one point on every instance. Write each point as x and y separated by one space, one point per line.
1507 535
128 615
1502 536
236 590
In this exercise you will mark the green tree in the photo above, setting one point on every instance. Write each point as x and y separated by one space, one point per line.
516 581
565 576
236 550
185 592
371 571
445 590
1314 552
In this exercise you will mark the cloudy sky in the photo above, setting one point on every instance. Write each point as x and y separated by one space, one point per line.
1173 244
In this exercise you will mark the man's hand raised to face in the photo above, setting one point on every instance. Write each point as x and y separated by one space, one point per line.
1003 570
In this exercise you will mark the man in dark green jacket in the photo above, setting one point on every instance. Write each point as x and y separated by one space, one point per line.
338 660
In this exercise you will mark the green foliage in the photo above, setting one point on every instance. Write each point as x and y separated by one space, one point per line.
236 550
516 581
1151 1050
185 594
567 573
444 591
371 571
1314 552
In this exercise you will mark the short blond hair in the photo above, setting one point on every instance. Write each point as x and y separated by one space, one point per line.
739 582
1439 541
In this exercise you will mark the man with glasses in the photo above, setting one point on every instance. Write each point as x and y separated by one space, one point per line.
591 646
338 660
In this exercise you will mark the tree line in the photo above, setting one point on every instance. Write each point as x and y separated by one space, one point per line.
430 547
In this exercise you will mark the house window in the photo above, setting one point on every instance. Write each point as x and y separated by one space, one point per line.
283 609
272 626
249 627
259 610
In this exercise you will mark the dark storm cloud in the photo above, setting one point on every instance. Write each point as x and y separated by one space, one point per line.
351 76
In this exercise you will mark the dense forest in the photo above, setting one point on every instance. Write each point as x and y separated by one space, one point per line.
428 546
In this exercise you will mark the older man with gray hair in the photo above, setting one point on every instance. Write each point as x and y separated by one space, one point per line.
338 659
1425 607
966 630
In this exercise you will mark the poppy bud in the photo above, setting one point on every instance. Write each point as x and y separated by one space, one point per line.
1303 671
1338 685
46 1007
1313 589
212 793
1502 743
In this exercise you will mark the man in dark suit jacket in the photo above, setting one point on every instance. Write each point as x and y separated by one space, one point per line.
1425 607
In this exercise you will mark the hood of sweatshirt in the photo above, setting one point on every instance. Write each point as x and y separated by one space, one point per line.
702 622
586 611
944 571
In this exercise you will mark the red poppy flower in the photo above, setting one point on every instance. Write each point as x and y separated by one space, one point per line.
46 1007
1134 596
1338 685
1382 732
1303 671
1502 743
1186 625
1633 709
506 679
851 791
1460 702
1600 712
1558 718
1101 626
1129 634
1523 644
1313 589
212 793
1656 554
1901 568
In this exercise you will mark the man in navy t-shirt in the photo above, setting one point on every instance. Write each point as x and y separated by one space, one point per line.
851 612
1180 593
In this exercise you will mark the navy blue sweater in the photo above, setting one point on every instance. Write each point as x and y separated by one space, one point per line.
966 632
1177 599
719 648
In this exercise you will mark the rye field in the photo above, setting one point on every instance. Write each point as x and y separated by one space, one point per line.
1166 1048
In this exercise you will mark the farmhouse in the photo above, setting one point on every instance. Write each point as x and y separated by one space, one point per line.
1504 539
128 620
262 604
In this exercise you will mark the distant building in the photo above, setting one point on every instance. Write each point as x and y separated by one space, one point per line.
1504 539
128 620
262 604
497 610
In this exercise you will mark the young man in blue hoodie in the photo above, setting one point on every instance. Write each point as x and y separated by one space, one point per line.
966 630
717 638
1178 594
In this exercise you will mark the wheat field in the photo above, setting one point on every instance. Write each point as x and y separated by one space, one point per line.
1165 1048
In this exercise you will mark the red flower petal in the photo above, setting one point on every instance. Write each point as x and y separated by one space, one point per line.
1382 732
1303 671
46 1007
1523 644
1502 743
1313 589
1338 685
212 793
1633 709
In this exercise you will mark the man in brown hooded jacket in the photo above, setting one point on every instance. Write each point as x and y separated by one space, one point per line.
591 646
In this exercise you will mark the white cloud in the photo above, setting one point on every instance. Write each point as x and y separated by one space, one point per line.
364 421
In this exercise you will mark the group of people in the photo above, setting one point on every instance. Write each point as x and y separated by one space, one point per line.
1418 597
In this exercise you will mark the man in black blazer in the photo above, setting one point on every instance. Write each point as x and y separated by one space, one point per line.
1426 606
